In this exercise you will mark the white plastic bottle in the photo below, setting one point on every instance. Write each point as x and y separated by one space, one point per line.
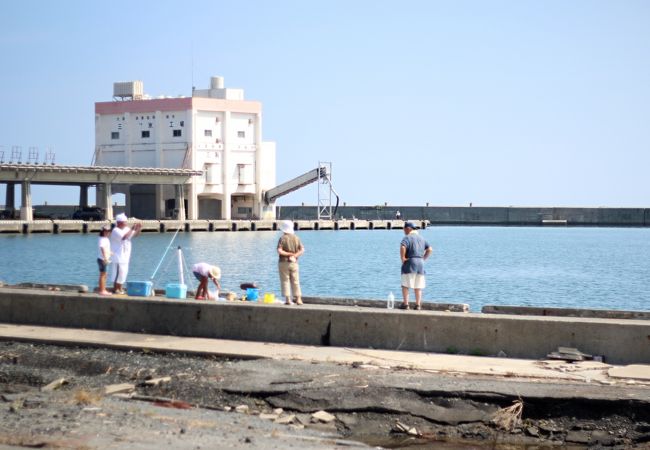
390 303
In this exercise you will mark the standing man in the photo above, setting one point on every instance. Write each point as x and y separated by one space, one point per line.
414 250
121 247
289 248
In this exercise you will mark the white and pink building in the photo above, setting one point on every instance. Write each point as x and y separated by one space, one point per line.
215 131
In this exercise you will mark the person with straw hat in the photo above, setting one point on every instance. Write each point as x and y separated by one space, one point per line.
205 272
289 250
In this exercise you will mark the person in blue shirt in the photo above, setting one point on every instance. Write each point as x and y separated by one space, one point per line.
414 250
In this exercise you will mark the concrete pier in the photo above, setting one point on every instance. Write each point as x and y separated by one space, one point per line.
161 226
618 341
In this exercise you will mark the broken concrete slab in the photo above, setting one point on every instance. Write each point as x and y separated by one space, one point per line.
54 385
323 416
286 420
157 381
387 400
122 388
635 371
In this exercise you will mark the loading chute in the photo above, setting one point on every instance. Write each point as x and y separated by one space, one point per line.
323 175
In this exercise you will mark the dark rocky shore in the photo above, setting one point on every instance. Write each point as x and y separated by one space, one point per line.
184 401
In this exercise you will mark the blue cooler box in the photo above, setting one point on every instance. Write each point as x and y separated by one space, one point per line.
176 290
139 288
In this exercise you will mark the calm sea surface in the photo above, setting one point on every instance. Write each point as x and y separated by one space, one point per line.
561 267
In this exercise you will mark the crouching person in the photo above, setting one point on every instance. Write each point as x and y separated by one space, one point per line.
205 272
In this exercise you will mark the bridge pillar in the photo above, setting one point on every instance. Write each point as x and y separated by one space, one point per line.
26 212
106 201
10 197
83 195
180 201
160 202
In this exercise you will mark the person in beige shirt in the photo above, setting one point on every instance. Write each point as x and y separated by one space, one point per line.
289 250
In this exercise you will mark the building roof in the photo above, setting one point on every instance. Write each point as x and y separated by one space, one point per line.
43 173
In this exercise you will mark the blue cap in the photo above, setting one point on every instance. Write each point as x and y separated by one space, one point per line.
409 224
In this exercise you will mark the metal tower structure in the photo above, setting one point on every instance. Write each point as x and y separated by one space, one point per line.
325 191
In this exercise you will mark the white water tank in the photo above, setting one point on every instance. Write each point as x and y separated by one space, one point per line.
216 83
128 89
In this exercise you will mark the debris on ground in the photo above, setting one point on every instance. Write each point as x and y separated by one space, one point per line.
569 354
322 416
399 427
509 418
121 388
56 384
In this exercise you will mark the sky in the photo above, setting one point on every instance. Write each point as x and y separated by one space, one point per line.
494 103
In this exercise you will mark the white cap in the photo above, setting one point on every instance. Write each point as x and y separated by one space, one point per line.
120 217
287 227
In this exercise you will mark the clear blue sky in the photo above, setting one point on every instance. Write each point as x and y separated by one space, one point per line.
493 102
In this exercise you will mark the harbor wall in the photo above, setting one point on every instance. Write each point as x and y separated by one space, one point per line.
533 337
497 215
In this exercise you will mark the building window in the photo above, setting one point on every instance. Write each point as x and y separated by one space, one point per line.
115 134
150 125
241 134
207 133
182 123
242 210
145 134
177 133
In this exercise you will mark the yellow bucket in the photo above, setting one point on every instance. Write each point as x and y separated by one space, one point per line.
269 297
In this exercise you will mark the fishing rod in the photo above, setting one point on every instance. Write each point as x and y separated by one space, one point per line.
165 254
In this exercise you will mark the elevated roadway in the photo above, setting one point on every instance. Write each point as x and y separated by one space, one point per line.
104 177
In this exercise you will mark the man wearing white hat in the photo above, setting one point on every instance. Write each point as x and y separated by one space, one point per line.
121 247
290 249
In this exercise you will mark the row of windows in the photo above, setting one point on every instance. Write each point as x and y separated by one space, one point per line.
143 117
176 133
145 134
208 133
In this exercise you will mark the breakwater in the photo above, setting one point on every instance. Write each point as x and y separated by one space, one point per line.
485 215
161 226
619 341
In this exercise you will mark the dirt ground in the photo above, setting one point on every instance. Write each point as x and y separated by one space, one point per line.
102 398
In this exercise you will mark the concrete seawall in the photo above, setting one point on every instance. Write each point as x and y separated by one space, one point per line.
162 226
619 341
498 215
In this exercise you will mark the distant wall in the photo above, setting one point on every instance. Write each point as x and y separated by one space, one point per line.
497 215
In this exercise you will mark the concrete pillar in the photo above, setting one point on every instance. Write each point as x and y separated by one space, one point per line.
160 201
192 202
106 200
10 196
226 179
180 201
83 195
258 202
26 212
127 201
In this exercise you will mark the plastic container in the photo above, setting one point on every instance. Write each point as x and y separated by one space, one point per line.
176 290
139 288
269 297
390 303
252 294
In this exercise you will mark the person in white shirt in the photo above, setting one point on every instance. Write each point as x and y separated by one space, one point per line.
103 258
121 247
204 272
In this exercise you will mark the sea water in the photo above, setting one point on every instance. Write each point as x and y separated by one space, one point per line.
552 267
